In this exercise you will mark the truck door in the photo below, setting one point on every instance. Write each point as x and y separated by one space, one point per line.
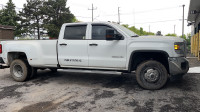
106 53
73 46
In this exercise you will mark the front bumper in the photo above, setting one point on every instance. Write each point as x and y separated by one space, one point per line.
178 65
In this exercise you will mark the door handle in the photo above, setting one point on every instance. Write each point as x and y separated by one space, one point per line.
63 44
93 44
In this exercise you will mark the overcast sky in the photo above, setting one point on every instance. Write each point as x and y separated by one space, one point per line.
153 15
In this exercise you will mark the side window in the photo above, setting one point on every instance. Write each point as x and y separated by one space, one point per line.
99 32
75 32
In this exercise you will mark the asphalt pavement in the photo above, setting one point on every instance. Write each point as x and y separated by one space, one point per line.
67 91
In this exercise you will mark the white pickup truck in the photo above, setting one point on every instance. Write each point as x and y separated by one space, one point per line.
98 46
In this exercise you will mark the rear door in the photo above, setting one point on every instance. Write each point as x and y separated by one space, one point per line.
73 47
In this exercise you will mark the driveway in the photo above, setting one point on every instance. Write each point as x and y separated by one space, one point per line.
96 92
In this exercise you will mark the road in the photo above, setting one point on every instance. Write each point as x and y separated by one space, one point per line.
84 92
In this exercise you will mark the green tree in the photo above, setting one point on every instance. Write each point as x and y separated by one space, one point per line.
171 34
184 36
56 14
138 31
8 15
141 31
32 17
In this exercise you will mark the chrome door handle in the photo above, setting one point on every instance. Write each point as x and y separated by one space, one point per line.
63 44
93 44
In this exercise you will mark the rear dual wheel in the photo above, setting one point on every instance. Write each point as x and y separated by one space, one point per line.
151 75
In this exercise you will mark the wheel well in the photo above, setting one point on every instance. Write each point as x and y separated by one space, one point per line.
16 55
139 57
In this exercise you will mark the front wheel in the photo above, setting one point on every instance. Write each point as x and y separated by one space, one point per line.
151 75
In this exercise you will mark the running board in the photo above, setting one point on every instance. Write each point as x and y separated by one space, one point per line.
90 71
3 66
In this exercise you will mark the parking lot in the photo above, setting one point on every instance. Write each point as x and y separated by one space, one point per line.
96 92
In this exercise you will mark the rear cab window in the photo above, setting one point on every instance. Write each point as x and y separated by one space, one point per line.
76 32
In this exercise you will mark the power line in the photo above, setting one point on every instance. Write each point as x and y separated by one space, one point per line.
151 10
145 11
158 21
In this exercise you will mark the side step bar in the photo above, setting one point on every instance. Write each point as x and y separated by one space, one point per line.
3 66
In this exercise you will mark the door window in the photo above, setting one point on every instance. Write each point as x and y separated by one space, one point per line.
75 32
99 32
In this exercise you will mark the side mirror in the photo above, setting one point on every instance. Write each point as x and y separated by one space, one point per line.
110 34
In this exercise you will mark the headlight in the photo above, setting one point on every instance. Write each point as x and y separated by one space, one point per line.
179 47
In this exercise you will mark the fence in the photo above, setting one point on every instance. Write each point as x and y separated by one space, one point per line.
195 45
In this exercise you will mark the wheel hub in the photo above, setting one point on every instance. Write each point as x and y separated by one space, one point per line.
18 71
151 75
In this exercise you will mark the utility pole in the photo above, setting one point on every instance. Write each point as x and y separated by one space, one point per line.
93 12
183 22
118 15
174 29
149 29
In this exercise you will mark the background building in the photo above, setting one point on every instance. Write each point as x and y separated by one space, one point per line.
193 16
194 20
6 32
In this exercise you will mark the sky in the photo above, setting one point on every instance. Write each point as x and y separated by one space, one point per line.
151 15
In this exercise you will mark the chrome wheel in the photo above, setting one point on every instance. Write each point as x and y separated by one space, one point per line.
17 70
151 75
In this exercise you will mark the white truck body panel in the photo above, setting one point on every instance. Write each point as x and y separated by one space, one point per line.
75 49
39 53
108 54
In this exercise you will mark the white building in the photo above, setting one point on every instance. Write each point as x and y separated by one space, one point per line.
194 16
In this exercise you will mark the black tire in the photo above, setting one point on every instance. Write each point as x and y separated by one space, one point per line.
151 75
20 70
33 72
54 70
177 78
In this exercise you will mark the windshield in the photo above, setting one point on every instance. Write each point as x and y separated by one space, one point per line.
126 30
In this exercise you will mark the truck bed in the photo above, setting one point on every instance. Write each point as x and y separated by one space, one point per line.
39 52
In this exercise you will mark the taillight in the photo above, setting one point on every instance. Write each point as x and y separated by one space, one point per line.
0 48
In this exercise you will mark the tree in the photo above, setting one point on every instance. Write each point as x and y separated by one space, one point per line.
56 14
8 16
32 17
141 31
138 31
173 35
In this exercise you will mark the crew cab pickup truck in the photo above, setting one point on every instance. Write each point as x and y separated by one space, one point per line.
98 46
